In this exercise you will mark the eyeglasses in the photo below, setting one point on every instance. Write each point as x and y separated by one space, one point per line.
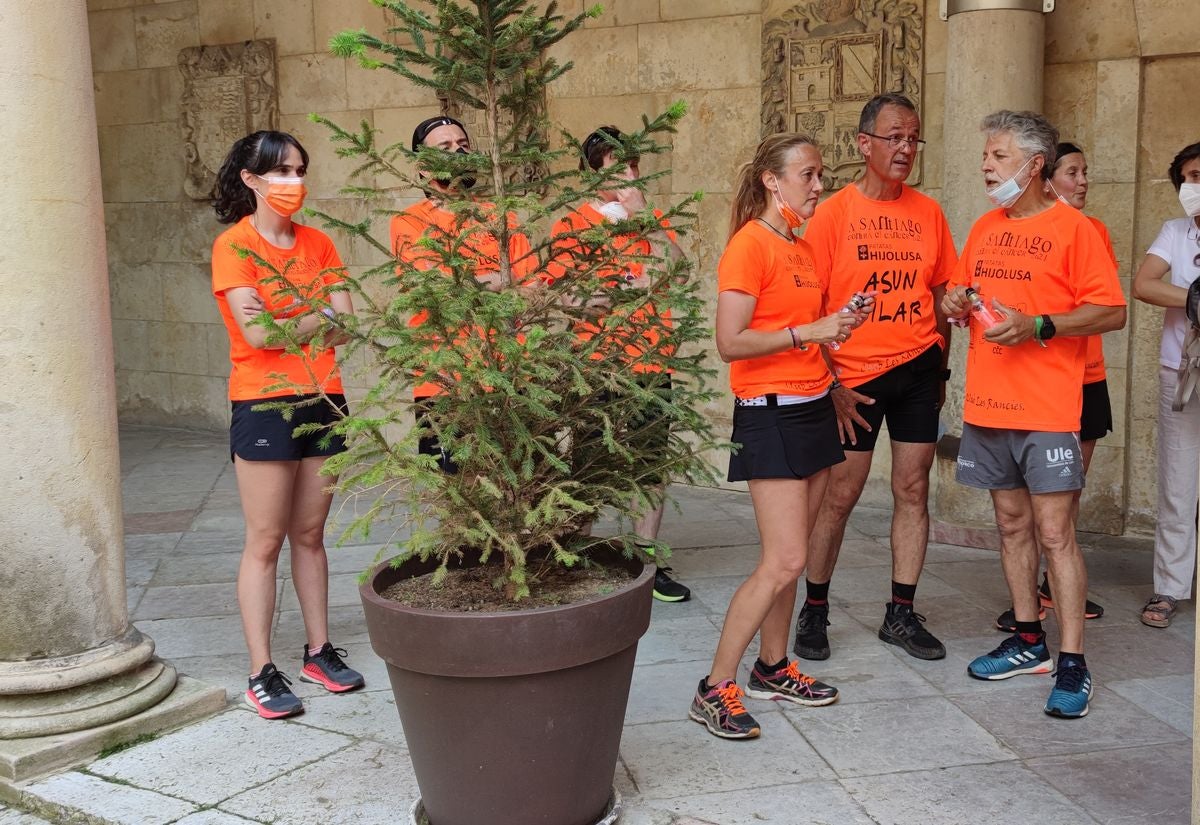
894 141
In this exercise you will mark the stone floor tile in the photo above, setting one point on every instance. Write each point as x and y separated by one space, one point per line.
947 617
870 671
662 692
853 737
692 608
219 758
162 500
190 601
1168 698
679 640
1116 653
365 783
204 636
343 592
225 541
211 816
11 817
1132 785
117 803
218 520
203 568
937 553
821 803
725 532
347 626
162 522
151 545
229 671
715 592
140 570
998 794
981 578
862 552
682 759
361 714
354 559
867 584
1016 718
707 562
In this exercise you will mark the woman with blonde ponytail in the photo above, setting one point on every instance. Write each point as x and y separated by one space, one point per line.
771 321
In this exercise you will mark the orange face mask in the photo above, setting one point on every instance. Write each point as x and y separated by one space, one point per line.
790 215
285 196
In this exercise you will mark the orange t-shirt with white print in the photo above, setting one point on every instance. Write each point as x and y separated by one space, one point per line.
414 223
1049 263
1094 367
626 251
314 265
900 250
790 291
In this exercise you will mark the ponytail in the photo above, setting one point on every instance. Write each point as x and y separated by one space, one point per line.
750 196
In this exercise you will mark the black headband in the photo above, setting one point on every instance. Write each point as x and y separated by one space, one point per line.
426 126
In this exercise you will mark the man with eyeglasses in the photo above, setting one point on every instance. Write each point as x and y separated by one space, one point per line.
878 236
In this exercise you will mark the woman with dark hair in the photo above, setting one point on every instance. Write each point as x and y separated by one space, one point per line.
771 319
1069 183
259 188
623 261
1171 265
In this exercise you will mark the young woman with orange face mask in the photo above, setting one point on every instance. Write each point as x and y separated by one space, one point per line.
259 188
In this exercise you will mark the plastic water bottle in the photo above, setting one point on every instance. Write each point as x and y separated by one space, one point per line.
857 301
979 310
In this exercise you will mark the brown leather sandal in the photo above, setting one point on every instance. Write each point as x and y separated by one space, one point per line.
1159 611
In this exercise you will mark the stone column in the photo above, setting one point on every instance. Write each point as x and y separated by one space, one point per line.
994 60
69 658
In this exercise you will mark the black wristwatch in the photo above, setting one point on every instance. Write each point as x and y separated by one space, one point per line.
1048 328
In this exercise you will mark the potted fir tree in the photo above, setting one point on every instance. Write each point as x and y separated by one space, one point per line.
512 714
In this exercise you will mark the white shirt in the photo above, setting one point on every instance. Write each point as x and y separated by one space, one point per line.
1178 243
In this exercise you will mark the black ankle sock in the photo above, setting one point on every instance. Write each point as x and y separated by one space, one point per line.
1030 632
1071 660
768 668
903 593
818 594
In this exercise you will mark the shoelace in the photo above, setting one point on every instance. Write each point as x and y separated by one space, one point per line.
276 684
1013 644
332 656
793 670
731 697
1071 679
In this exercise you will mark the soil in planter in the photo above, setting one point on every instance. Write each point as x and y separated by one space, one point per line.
470 589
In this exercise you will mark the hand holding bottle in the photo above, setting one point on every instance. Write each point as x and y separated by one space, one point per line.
859 306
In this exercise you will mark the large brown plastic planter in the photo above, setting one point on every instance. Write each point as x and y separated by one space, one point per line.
511 718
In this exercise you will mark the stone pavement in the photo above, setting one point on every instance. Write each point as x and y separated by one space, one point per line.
910 742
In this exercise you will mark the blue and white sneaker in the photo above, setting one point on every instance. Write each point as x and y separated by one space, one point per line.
1072 693
1013 657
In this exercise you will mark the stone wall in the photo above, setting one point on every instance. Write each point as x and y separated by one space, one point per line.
1113 75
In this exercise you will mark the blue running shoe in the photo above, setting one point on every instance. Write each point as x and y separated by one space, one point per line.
1072 693
1013 657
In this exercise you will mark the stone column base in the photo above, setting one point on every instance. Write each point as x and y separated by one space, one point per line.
185 700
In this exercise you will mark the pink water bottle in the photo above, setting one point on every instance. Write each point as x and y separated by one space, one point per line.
979 310
857 301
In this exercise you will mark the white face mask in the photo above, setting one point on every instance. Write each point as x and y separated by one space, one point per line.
612 211
1189 199
1009 192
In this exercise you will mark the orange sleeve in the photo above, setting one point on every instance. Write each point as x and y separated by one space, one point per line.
520 253
1094 269
947 260
560 249
229 270
1106 238
333 271
742 266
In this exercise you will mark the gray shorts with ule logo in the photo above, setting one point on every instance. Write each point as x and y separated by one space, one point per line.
994 459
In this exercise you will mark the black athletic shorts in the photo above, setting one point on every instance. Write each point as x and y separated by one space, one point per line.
792 441
907 396
264 435
1096 419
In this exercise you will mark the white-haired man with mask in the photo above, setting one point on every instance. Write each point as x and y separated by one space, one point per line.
1034 280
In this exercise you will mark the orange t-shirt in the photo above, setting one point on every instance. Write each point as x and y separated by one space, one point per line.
790 291
626 251
1093 370
481 246
900 250
1046 264
315 265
